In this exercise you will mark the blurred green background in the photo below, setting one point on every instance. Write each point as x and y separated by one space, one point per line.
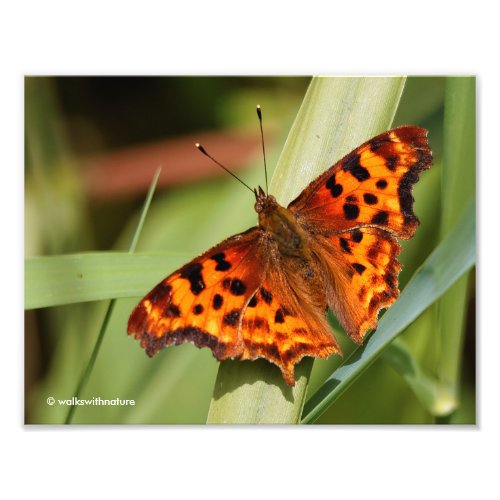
92 145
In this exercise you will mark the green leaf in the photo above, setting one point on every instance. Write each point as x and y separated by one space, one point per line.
458 186
337 115
399 356
68 279
451 259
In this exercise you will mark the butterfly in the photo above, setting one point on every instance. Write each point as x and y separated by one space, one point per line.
264 293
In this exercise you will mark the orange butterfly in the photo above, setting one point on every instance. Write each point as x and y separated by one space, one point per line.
264 293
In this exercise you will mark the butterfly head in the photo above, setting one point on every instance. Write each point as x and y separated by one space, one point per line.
263 201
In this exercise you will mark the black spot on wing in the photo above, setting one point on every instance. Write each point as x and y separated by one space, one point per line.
357 236
260 323
392 162
376 143
374 302
253 302
272 350
279 317
335 189
222 263
344 245
351 211
266 295
172 311
237 287
359 267
390 279
159 293
217 301
351 164
370 199
381 218
192 272
232 317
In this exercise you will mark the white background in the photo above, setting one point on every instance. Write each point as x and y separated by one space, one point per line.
261 37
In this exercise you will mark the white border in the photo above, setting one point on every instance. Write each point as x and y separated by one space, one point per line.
153 37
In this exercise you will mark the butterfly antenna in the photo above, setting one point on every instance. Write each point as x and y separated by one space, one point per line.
259 114
202 150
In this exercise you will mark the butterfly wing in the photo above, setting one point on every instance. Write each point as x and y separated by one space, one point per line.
243 299
355 211
203 301
363 273
236 300
282 326
370 187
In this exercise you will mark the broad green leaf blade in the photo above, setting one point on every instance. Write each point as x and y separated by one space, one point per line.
450 260
458 186
459 156
67 279
337 115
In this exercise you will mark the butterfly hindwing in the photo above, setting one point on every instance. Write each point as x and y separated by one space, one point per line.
363 269
276 326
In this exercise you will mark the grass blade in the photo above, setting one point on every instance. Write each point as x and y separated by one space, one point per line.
458 186
399 356
451 259
88 371
337 115
69 279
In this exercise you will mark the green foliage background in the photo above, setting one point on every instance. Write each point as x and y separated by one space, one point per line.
176 386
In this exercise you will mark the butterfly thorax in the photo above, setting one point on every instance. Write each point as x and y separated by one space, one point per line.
280 223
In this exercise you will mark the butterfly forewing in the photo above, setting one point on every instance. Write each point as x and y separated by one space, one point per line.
203 301
370 187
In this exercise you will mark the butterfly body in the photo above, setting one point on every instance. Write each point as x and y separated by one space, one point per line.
280 223
264 292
